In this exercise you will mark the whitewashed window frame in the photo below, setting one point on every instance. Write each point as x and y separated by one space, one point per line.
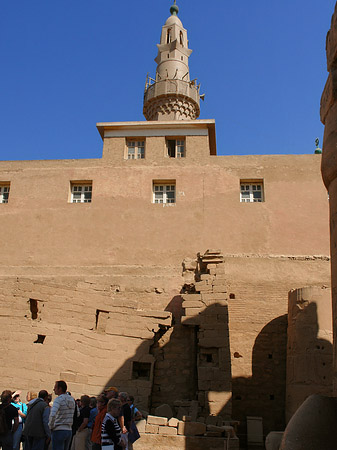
251 192
4 193
179 147
81 193
135 149
165 192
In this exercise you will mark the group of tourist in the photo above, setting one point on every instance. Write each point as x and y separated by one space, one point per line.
106 422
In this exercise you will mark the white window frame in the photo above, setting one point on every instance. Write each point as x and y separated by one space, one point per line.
179 147
135 149
4 192
81 192
164 192
251 191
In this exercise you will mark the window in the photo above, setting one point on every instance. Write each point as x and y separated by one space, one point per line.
4 193
251 191
81 192
175 148
141 370
136 149
164 193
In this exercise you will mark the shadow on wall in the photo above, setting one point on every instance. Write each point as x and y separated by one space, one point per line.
187 366
263 394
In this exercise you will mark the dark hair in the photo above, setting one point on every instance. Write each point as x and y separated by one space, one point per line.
85 399
6 396
43 394
103 399
93 402
62 385
131 398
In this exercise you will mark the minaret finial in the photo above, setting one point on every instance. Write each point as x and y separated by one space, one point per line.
174 9
318 151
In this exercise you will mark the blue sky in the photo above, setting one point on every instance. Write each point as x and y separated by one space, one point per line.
69 64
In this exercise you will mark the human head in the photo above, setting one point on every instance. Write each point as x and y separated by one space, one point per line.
31 395
93 402
85 400
16 396
102 401
131 400
123 397
111 392
114 407
43 394
60 387
6 396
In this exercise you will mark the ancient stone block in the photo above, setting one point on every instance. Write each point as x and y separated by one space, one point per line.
164 410
168 431
191 297
173 422
191 428
154 420
149 428
141 425
193 304
186 419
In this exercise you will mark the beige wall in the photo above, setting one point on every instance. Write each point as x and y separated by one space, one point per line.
123 254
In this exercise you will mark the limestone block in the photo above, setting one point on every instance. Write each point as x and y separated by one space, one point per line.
211 420
219 288
215 428
154 429
193 311
213 434
193 304
154 420
168 431
213 296
191 428
164 410
141 425
173 422
186 419
191 297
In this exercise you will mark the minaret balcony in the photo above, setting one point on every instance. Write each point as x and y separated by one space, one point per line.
171 87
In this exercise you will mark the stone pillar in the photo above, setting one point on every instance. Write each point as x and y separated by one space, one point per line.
309 350
329 165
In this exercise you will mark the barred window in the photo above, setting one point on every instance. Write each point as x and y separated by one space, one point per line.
81 193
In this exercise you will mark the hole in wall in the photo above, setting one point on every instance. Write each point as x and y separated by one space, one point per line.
141 370
232 296
271 397
270 356
40 339
33 306
238 397
237 355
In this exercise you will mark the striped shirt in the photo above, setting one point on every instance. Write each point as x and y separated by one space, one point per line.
62 413
111 432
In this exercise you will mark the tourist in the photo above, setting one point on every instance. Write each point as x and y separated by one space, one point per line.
61 417
11 422
135 413
111 431
92 416
125 418
111 392
22 411
36 429
81 436
102 402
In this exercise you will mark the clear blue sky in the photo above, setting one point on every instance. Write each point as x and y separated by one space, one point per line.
68 64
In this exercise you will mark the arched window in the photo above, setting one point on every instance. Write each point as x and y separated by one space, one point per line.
181 38
168 36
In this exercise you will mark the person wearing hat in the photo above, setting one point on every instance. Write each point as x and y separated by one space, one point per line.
111 392
22 411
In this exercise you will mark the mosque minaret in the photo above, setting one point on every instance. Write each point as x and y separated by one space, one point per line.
172 95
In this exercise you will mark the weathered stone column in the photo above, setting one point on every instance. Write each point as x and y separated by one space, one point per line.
329 165
309 349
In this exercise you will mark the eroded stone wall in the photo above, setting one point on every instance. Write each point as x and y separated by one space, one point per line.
309 350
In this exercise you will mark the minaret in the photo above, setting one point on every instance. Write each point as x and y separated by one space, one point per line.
172 95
